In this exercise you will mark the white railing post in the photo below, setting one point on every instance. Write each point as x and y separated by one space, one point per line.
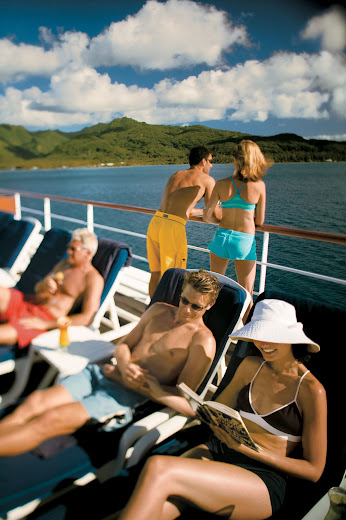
263 271
47 214
90 217
17 205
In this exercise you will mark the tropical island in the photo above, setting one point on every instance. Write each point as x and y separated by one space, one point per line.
125 142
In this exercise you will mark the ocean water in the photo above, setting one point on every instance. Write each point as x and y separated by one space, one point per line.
308 196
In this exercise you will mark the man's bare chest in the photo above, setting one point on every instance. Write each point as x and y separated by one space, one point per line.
74 282
168 342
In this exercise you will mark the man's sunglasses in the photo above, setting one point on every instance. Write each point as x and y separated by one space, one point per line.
74 249
193 306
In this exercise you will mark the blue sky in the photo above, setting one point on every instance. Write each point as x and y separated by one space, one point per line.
258 67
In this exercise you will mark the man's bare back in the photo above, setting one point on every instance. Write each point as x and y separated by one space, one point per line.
184 189
166 236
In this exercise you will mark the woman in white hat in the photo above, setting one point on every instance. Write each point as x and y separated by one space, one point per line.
283 406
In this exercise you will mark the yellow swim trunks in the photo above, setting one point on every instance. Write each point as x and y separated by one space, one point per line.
166 242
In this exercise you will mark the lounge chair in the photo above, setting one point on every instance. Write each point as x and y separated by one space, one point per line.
325 325
18 240
19 361
96 453
109 259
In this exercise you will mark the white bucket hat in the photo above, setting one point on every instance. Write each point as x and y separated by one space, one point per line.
275 321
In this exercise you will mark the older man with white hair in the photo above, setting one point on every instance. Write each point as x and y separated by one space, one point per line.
74 283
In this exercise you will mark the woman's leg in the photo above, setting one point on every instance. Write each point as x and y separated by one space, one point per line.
246 274
215 487
218 264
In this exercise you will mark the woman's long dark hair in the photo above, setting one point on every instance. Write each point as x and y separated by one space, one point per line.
301 353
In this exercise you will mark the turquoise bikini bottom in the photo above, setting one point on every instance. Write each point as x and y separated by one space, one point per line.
234 245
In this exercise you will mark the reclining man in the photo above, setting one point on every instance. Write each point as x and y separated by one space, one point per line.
73 283
169 345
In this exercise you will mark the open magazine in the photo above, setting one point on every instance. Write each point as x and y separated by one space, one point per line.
220 415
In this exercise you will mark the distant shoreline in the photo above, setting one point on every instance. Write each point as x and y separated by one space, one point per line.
89 167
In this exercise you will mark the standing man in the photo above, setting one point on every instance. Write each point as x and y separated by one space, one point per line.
73 284
166 236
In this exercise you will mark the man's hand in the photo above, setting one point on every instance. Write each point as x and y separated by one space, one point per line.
48 284
153 387
196 212
133 374
34 323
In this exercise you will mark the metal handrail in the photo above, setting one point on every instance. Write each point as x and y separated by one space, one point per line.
266 229
278 230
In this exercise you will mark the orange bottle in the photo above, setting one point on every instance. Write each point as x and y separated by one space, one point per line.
63 323
64 337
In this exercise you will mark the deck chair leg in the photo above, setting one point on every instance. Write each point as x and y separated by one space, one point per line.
48 378
22 371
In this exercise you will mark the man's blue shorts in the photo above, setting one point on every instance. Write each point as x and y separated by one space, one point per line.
234 245
101 397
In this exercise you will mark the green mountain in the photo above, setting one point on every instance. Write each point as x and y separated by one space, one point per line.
127 142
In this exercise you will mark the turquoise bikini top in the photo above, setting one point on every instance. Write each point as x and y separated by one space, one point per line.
236 201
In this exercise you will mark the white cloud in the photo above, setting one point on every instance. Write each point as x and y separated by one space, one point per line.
330 27
16 108
20 61
85 90
284 86
154 38
335 137
177 33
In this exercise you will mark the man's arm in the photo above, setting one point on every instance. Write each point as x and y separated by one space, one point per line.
49 284
213 212
200 357
209 188
132 372
91 300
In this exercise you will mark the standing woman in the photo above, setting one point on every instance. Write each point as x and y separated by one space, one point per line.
243 202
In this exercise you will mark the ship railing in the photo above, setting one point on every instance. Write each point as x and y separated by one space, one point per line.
267 230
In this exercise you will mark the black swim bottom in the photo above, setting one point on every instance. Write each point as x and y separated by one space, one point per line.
274 480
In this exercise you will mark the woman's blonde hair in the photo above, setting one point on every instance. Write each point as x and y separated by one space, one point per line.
250 162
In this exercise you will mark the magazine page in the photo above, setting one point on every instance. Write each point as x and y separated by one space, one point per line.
231 425
225 409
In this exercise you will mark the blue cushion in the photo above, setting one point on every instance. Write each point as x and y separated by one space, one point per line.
110 257
51 250
5 218
12 240
7 353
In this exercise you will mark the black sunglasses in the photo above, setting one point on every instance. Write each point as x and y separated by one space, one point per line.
193 306
74 249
